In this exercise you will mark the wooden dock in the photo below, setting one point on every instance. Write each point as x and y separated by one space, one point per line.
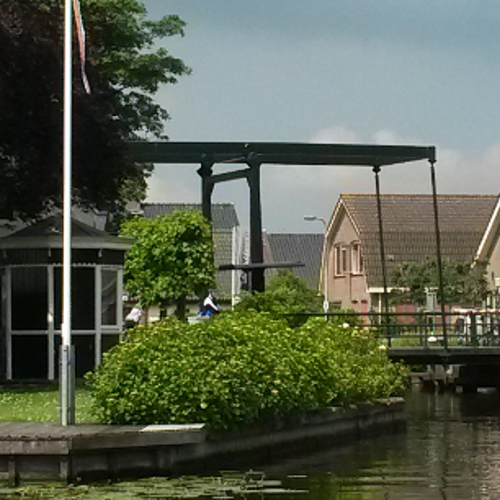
36 451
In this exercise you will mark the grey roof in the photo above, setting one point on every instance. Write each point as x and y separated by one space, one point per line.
223 254
409 227
223 214
48 232
54 225
297 247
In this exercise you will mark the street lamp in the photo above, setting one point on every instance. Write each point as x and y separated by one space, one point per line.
313 218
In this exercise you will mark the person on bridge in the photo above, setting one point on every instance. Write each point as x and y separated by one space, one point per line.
210 306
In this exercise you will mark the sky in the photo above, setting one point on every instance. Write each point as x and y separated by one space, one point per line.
417 72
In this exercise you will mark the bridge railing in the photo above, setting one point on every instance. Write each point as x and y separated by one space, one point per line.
467 328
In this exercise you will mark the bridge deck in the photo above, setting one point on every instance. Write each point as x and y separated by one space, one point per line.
455 355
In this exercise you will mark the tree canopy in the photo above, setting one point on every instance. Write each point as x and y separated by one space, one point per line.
125 67
172 257
464 283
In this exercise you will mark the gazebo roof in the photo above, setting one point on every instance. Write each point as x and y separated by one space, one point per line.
48 233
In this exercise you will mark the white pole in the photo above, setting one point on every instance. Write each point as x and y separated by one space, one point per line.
65 391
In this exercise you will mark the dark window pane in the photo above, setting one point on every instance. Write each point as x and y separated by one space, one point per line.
84 349
109 341
82 298
29 356
29 298
109 297
84 353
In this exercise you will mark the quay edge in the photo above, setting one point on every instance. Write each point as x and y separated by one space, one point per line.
30 451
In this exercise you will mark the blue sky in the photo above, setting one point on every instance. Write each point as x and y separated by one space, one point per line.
423 72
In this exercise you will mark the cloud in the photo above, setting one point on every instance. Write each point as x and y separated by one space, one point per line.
335 134
466 172
170 184
386 136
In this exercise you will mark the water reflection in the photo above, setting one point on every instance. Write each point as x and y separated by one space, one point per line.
450 450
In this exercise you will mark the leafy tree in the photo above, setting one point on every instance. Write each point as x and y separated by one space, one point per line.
172 258
464 283
125 68
285 294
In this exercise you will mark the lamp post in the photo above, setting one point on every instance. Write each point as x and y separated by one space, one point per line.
313 218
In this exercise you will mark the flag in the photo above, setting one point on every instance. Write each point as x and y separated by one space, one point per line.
80 33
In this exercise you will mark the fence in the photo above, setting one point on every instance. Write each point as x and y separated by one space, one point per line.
467 328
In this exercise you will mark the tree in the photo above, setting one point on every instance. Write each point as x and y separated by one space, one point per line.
286 294
464 283
172 258
125 68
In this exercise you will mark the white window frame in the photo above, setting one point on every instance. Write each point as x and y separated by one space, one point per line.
341 256
356 258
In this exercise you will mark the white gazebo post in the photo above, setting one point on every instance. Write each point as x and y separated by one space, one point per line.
66 376
326 304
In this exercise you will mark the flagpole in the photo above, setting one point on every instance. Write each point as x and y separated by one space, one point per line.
65 378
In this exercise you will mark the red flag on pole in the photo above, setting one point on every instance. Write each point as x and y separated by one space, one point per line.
80 33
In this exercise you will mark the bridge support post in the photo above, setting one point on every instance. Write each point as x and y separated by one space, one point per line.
257 279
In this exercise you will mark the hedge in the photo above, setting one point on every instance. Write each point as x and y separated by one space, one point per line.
238 369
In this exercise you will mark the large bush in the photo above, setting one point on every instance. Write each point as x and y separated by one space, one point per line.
238 369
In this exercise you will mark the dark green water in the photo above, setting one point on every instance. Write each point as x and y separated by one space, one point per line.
450 450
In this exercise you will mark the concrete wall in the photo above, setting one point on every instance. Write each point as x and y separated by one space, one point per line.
45 452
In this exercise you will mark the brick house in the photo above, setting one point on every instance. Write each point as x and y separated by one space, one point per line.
353 264
489 251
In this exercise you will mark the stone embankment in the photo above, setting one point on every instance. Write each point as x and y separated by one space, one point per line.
34 451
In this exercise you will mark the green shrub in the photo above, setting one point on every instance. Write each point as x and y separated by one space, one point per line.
286 296
238 369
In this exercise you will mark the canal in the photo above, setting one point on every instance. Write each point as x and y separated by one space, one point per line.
449 450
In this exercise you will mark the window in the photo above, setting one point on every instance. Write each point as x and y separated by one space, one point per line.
356 258
341 260
109 297
344 263
337 260
82 297
29 298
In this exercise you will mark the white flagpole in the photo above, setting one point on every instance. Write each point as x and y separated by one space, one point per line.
65 378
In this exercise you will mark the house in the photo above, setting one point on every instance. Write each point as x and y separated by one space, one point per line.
489 251
305 248
353 266
228 243
31 313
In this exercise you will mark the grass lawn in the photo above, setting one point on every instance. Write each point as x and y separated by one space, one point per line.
40 404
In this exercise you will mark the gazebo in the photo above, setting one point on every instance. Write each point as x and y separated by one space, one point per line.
31 272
